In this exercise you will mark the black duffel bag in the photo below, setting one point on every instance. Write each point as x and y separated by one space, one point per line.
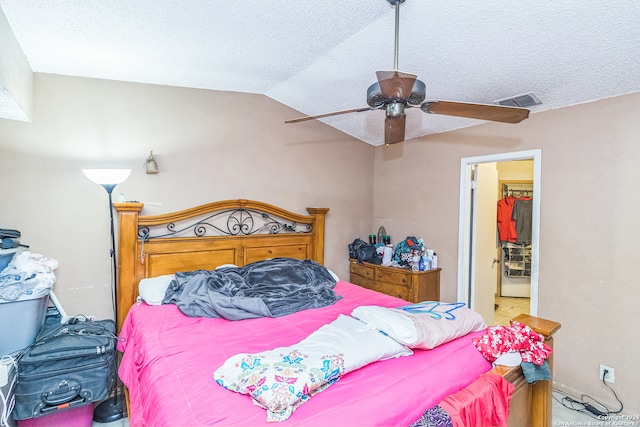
364 252
69 365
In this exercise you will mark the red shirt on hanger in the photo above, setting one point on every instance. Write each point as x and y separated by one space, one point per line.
506 224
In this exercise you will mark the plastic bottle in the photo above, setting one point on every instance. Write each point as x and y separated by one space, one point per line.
415 264
426 262
434 261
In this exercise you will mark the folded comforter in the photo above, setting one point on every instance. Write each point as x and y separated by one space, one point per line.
281 379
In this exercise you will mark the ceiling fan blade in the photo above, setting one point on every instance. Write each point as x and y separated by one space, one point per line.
394 129
334 113
495 113
396 84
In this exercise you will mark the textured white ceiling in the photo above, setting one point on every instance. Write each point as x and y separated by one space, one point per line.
320 56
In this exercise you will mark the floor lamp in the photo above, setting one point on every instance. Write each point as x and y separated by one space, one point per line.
111 409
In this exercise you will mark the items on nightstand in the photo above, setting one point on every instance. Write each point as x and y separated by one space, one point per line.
365 252
410 253
387 254
413 253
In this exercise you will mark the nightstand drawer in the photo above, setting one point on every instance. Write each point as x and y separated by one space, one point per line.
395 277
394 290
362 281
362 270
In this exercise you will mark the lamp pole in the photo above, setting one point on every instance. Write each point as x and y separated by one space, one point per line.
110 410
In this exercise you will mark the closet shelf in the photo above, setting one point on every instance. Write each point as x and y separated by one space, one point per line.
517 260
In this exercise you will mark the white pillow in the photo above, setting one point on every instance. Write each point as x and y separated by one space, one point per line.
334 275
226 265
393 323
359 343
432 323
153 289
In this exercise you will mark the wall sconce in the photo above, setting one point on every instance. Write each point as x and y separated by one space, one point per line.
150 165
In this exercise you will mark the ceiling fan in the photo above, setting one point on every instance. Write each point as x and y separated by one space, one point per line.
396 90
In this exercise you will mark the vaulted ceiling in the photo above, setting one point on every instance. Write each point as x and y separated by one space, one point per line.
321 56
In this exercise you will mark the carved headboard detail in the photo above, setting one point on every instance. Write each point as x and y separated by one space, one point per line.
203 237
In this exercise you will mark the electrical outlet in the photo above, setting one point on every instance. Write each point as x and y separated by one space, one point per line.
610 377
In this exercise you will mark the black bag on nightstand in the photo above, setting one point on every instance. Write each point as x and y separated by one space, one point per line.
69 365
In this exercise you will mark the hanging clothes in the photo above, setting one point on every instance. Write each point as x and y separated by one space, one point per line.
522 214
506 223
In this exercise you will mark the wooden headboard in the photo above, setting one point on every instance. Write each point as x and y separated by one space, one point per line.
226 232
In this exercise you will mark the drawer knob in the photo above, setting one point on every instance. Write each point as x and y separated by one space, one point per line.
404 280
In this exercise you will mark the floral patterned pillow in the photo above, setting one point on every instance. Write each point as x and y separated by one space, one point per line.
282 379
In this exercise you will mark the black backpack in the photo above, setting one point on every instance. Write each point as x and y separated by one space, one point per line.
364 252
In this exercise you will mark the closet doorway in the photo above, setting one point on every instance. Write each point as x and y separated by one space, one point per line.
479 253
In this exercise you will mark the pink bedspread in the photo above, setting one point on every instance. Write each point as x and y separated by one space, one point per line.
169 360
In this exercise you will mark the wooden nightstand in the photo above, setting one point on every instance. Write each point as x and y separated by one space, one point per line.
413 286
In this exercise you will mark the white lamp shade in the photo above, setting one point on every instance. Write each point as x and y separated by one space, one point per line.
107 176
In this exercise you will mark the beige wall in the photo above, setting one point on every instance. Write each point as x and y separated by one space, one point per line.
588 235
218 145
209 145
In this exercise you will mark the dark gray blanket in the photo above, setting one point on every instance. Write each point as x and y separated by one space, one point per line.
270 288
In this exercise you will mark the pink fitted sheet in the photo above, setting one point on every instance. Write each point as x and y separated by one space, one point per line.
169 360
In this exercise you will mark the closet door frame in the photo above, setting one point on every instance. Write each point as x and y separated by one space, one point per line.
466 258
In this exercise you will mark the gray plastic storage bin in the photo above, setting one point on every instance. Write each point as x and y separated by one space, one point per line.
20 322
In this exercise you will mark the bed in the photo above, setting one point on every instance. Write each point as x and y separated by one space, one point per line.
169 358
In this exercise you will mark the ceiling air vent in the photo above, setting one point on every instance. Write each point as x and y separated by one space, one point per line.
522 101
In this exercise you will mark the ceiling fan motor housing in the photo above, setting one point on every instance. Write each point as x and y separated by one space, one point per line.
395 109
376 99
